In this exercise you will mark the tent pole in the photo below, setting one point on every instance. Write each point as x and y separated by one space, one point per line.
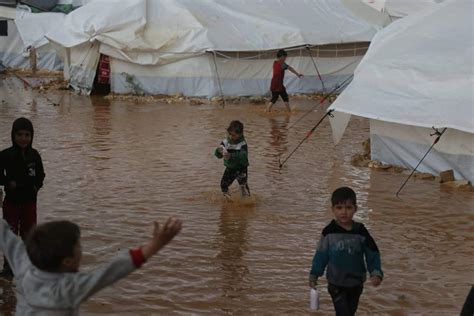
308 134
338 88
317 71
438 134
218 78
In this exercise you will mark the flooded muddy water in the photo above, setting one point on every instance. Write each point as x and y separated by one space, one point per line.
115 166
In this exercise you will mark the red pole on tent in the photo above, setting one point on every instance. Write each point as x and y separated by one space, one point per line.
308 134
334 91
439 134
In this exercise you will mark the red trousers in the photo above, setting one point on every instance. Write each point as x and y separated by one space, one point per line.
20 217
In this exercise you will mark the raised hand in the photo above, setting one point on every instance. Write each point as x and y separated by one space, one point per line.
162 235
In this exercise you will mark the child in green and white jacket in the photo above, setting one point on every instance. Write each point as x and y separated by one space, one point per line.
235 153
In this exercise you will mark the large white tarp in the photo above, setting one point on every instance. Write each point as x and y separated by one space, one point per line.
33 26
401 8
196 76
418 71
157 32
405 145
14 54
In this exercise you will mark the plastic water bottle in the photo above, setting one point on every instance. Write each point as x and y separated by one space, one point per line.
314 299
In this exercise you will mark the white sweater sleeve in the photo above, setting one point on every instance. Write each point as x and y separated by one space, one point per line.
13 249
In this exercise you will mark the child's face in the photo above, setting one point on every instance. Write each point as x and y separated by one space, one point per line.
344 212
234 137
23 138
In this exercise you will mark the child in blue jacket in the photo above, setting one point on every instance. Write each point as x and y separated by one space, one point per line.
342 248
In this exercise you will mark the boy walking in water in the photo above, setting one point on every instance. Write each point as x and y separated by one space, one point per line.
22 175
48 281
343 245
277 88
235 153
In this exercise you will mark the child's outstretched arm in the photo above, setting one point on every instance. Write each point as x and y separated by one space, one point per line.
161 236
80 286
295 72
13 249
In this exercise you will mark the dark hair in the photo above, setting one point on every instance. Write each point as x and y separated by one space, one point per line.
50 243
281 53
22 123
342 195
236 127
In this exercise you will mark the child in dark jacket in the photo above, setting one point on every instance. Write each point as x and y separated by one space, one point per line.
343 245
22 175
235 153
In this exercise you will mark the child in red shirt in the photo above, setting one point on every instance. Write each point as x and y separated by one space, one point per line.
277 88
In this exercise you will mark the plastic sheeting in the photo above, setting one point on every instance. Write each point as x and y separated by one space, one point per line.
402 8
32 27
404 145
418 71
153 45
162 31
13 52
197 76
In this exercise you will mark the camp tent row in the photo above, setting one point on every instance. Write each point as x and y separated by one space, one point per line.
417 74
198 48
207 48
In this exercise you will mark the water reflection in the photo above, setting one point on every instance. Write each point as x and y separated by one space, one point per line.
233 245
279 135
102 112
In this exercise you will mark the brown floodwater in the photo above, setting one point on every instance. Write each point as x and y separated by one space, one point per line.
115 166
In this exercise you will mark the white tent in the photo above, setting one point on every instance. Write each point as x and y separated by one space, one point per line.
209 47
418 73
397 9
402 8
13 47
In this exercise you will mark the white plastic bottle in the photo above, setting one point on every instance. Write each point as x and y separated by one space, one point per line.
314 299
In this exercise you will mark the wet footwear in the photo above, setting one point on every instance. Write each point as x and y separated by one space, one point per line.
244 191
227 196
